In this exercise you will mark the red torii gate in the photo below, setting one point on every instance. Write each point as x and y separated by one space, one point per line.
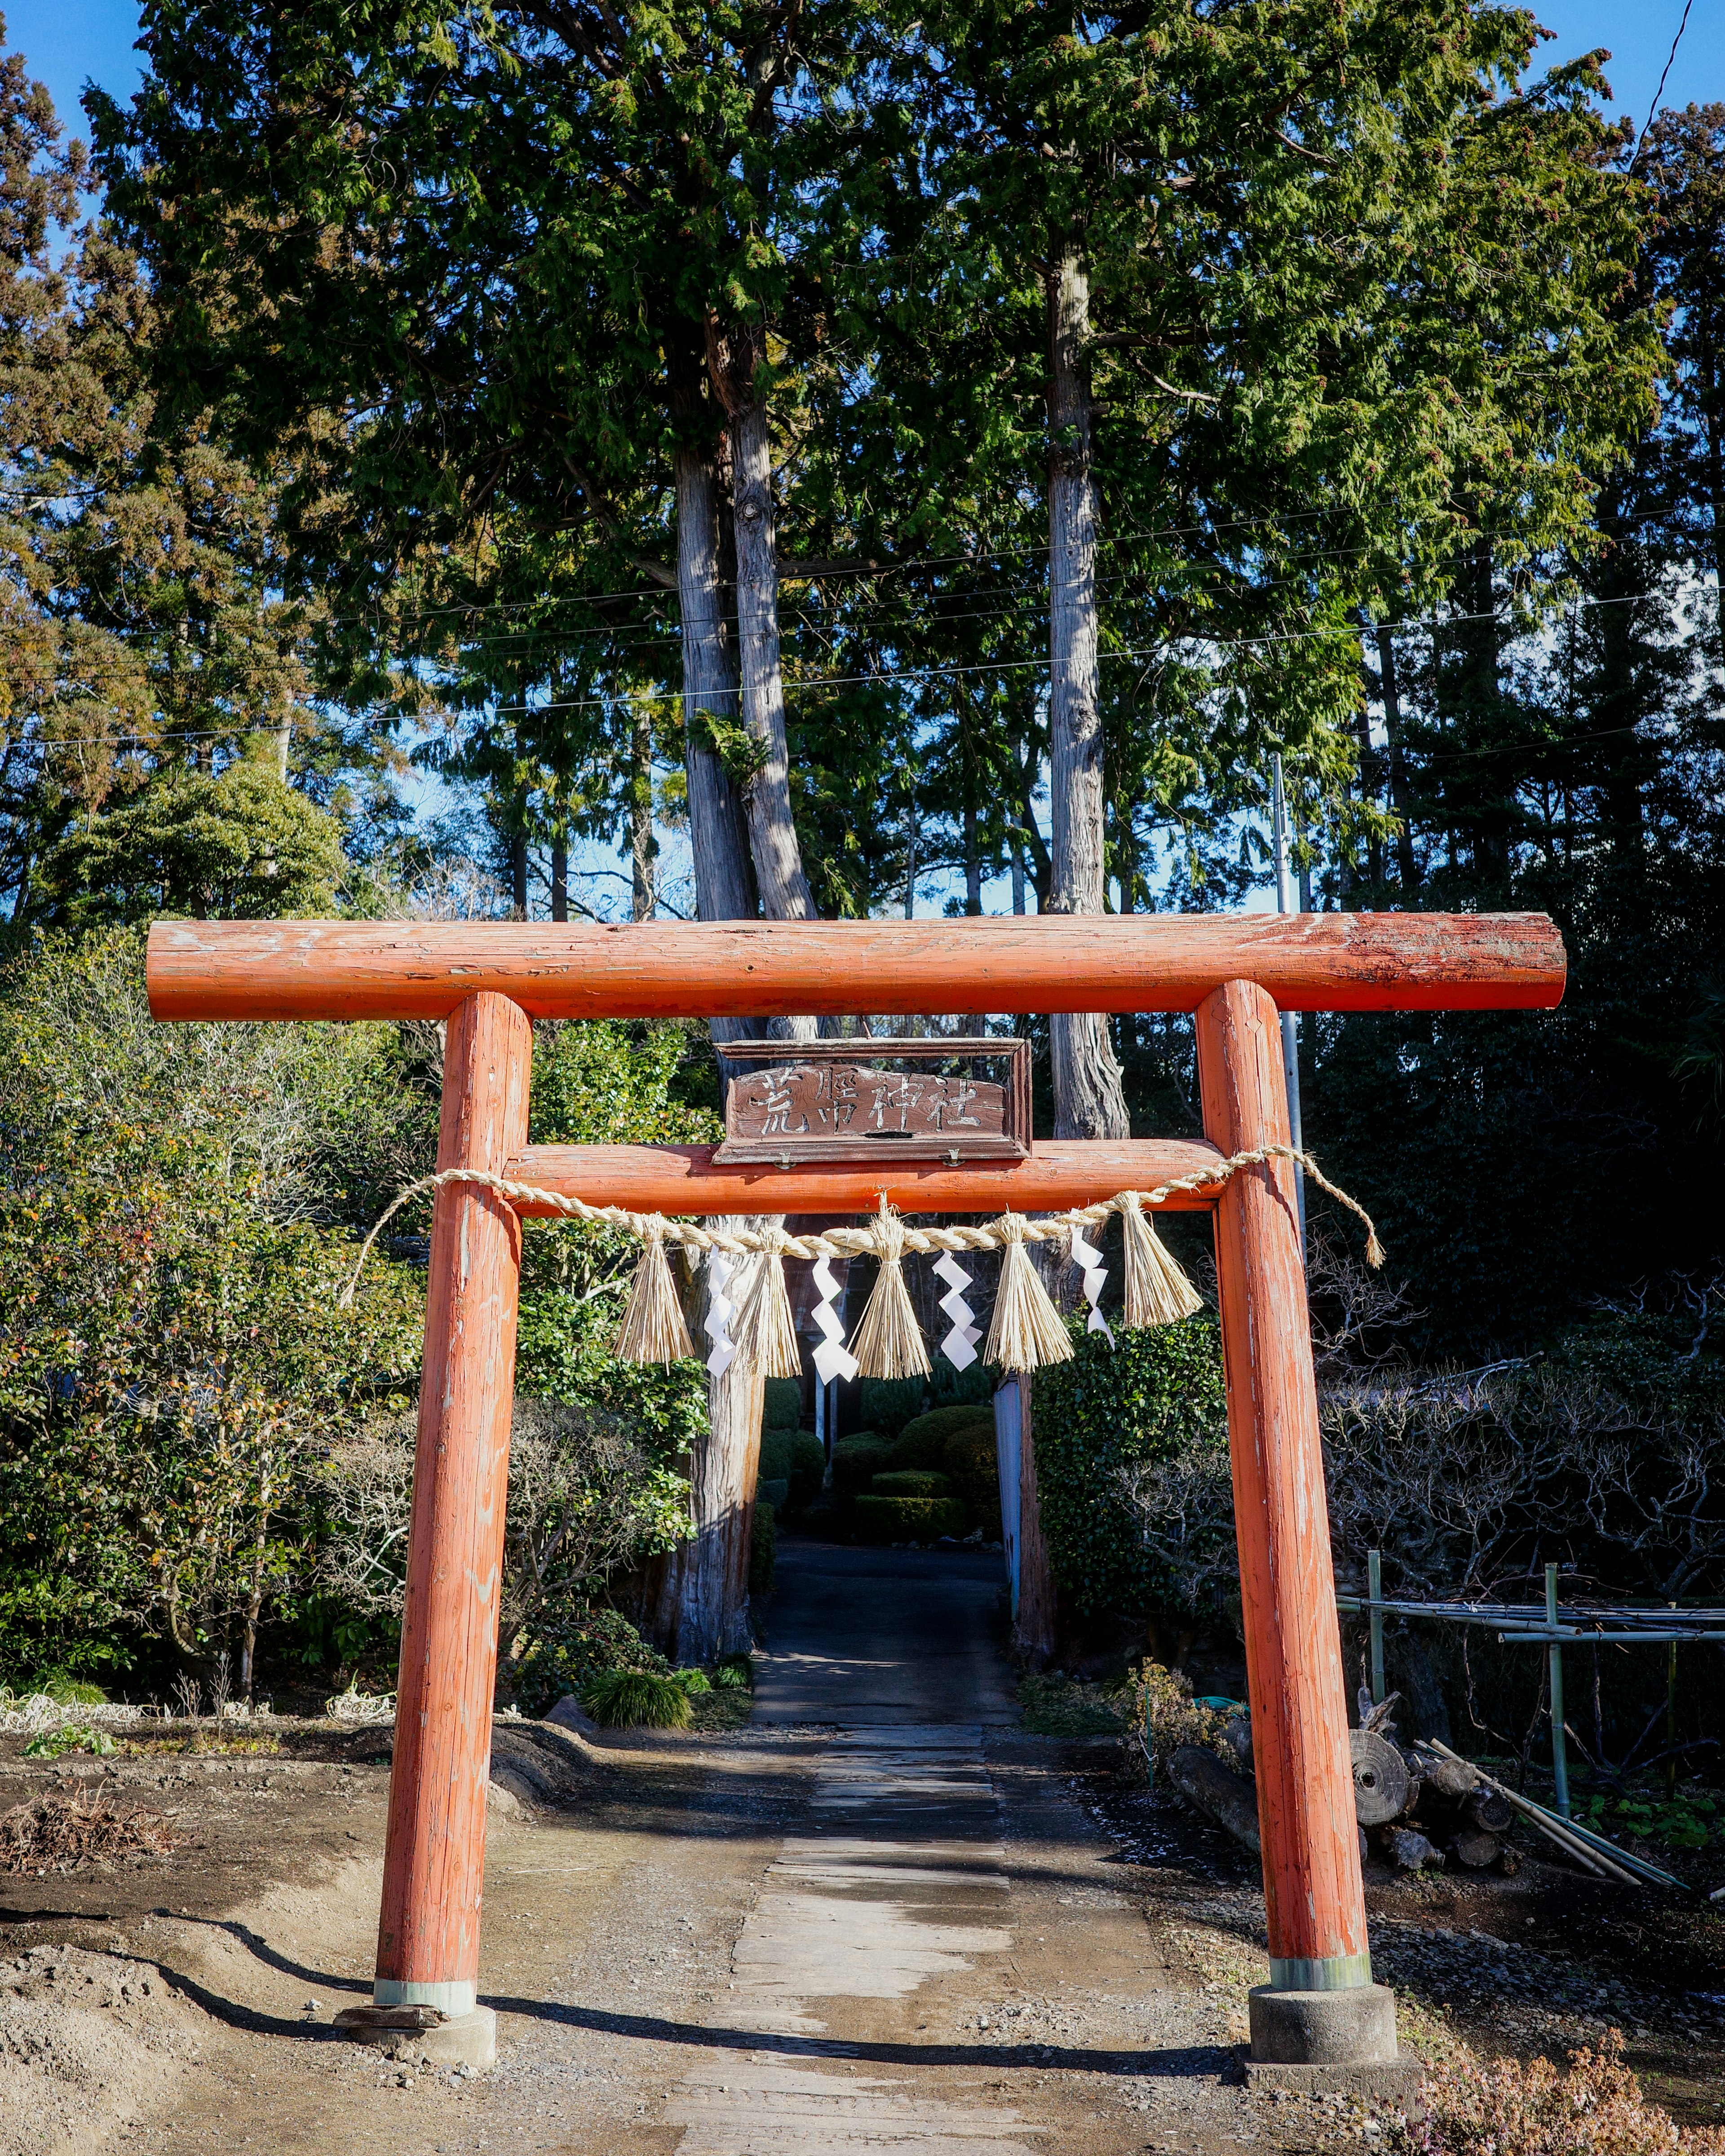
1236 971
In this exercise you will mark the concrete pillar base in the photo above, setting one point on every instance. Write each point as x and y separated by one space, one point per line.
468 2040
1398 2084
1351 2028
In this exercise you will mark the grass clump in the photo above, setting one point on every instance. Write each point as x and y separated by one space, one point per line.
1051 1704
1517 2107
634 1699
735 1672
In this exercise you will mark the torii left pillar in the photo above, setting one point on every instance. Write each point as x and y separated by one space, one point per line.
434 1849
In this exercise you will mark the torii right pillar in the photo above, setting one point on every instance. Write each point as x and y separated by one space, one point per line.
1320 2016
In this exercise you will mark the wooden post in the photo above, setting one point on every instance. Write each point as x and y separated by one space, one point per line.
434 1849
1313 1899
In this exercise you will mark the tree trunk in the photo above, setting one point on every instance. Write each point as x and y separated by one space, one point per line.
643 846
1089 1101
518 872
773 833
560 875
703 1606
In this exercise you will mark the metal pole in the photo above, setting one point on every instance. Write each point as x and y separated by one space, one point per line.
1555 1654
1374 1588
1290 1023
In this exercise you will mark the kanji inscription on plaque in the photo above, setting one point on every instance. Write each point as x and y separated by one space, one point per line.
825 1105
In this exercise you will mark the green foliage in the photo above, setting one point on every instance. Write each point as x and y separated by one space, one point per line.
1109 1409
782 1404
243 844
575 1647
1052 1704
888 1403
632 1699
922 1441
763 1546
735 1672
970 1460
694 1682
793 1463
910 1483
70 1737
1689 1819
856 1460
908 1519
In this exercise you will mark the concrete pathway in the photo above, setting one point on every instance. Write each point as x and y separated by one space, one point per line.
863 1637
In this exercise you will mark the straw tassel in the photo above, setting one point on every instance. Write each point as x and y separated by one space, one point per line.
1026 1331
766 1338
1157 1292
653 1328
889 1341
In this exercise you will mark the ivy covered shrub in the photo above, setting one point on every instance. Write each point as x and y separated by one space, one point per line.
1152 1399
908 1519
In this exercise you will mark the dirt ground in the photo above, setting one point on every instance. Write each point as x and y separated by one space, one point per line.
790 1935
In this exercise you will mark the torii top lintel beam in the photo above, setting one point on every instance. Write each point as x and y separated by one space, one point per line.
393 969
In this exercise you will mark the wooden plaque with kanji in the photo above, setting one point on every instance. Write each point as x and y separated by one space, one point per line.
816 1101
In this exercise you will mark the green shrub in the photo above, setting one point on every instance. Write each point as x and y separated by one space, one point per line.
971 1464
630 1699
734 1673
808 1467
763 1547
910 1483
774 1490
775 1456
908 1519
856 1460
888 1403
781 1404
1150 1397
693 1681
574 1646
949 1387
923 1443
74 1737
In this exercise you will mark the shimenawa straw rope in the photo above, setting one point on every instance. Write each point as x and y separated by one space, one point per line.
1026 1331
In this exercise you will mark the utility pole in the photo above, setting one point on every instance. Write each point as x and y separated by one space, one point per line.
1290 1023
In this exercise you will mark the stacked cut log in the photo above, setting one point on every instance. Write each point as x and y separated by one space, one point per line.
1415 1809
1450 1815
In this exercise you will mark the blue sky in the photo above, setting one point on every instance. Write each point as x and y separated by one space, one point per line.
69 42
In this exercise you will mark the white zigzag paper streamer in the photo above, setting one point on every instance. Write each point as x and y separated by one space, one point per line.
1094 1273
959 1346
720 1312
832 1358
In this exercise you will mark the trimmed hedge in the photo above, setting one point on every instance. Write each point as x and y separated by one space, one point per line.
781 1404
856 1460
888 1403
910 1483
971 1463
1147 1398
763 1547
908 1519
776 1489
795 1459
922 1443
